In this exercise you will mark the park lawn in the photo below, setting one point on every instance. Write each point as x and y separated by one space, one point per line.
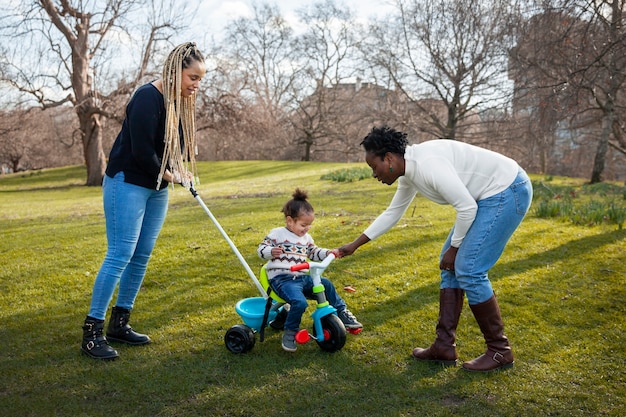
560 286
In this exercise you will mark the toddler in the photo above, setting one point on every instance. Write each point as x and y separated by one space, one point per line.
292 245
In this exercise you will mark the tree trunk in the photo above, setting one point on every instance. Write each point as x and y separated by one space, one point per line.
543 157
601 150
615 79
91 130
308 143
452 123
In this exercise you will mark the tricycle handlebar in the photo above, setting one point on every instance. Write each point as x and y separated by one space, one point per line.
309 265
299 267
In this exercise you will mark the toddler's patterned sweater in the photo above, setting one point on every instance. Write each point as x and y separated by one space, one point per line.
296 250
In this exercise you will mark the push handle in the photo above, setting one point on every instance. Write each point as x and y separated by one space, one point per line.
230 243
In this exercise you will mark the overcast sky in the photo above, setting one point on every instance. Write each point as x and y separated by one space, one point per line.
213 14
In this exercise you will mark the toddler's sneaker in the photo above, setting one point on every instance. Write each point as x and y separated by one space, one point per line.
348 320
289 340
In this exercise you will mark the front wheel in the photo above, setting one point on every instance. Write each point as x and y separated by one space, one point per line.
239 338
335 333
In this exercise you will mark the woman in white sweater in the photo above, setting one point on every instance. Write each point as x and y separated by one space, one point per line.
490 194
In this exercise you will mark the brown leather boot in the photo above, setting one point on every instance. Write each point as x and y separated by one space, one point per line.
498 354
443 349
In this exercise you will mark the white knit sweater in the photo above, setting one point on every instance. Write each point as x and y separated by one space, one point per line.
447 172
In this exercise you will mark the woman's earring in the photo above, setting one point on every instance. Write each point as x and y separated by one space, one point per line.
390 169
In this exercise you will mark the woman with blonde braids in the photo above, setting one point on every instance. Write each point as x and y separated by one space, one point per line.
148 154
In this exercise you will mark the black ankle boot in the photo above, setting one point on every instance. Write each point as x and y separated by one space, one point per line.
120 331
94 344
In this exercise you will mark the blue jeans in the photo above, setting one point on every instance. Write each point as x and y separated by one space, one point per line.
295 289
134 217
497 218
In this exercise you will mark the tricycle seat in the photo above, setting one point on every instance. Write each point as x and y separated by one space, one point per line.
265 283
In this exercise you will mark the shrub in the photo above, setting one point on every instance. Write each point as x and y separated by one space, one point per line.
585 204
348 174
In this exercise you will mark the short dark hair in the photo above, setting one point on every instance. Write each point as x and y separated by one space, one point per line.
384 139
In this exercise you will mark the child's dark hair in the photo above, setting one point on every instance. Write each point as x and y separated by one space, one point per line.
298 204
385 139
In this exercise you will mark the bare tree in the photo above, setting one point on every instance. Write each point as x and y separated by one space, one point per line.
256 72
70 44
604 76
13 146
538 68
452 51
570 64
326 107
262 45
33 138
230 128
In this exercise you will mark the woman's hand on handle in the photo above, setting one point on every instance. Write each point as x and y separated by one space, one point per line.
178 177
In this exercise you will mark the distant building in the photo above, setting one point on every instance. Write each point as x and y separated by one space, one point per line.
340 116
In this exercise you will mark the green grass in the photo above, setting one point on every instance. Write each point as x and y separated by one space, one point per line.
561 287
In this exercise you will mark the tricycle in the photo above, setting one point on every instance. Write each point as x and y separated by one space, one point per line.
257 312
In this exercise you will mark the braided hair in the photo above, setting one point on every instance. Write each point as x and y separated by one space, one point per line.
179 112
384 139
